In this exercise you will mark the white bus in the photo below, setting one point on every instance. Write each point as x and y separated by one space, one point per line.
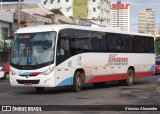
70 55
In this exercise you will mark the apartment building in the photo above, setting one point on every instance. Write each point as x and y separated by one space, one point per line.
120 16
146 21
98 10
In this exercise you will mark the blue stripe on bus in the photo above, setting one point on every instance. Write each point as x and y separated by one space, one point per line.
88 78
67 81
152 68
25 73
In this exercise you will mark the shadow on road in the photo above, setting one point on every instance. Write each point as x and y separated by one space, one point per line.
86 87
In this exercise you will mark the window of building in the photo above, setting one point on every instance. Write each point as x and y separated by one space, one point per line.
94 0
5 31
94 9
67 0
58 1
67 9
45 2
52 1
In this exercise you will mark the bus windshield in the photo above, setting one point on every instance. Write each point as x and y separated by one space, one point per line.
33 48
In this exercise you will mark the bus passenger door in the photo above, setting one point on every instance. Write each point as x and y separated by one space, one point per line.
63 75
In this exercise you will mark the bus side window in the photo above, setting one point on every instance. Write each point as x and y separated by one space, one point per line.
63 46
96 41
66 47
60 50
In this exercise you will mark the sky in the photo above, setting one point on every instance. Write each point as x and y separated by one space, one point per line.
136 5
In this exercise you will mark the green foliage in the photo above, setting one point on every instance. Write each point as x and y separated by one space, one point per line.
7 44
157 45
80 8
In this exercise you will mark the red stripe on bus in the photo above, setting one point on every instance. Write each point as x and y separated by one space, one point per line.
143 74
114 77
105 78
34 73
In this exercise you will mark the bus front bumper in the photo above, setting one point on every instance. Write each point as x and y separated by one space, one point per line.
33 81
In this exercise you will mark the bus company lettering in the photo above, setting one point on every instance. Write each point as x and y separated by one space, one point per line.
113 60
120 59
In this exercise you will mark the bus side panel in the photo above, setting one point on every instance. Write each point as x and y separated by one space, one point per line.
107 69
101 67
144 64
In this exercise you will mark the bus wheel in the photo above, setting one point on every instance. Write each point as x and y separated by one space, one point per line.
99 84
130 78
39 89
77 81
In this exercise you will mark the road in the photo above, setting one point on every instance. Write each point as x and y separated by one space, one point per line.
145 91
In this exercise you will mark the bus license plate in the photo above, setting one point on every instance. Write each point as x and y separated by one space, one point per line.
27 85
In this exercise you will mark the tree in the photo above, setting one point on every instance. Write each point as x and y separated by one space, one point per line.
157 45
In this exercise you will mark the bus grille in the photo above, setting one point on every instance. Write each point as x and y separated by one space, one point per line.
28 81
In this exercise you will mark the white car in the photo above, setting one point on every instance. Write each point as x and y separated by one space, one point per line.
1 72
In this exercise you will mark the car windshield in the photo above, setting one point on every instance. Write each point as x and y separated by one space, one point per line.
1 66
157 62
33 48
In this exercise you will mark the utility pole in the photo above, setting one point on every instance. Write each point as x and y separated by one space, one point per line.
19 14
100 18
79 18
1 5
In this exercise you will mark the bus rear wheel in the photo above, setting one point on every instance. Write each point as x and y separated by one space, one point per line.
130 78
78 81
39 89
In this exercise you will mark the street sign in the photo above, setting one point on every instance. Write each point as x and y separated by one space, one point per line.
11 0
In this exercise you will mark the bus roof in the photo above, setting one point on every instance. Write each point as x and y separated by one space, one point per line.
44 28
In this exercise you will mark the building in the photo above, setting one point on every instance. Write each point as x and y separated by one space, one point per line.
120 16
5 24
157 30
95 10
99 10
5 32
146 21
30 15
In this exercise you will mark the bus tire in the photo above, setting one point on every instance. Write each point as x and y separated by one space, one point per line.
99 84
77 81
130 77
39 89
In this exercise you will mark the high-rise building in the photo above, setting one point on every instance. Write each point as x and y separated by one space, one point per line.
146 21
120 16
83 9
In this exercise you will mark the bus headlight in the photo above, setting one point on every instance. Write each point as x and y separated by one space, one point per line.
11 72
48 71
